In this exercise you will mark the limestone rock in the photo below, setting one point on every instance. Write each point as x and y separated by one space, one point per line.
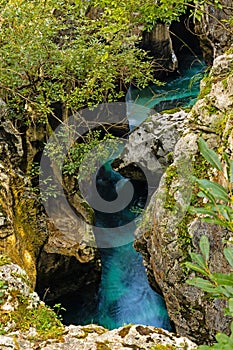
150 146
27 235
93 337
214 31
158 42
89 337
168 233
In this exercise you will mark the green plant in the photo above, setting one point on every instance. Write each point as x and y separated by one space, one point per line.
82 156
3 287
217 285
219 198
44 319
4 259
217 210
171 175
163 347
71 52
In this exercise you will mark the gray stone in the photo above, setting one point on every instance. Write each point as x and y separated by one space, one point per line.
167 234
214 31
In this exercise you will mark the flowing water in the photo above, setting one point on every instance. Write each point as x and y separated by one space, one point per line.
180 91
124 295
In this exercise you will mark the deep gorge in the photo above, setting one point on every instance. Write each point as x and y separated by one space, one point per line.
144 280
124 295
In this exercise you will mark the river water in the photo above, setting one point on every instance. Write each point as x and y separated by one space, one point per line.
125 295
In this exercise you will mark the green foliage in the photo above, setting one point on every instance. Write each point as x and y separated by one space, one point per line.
199 7
72 52
209 154
217 210
217 285
4 259
163 347
219 198
44 319
82 156
3 287
171 175
78 53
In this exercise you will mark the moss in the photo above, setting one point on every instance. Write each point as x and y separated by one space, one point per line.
97 330
171 111
205 87
42 318
184 238
171 175
225 83
4 259
89 211
28 239
102 346
200 167
24 278
170 157
162 347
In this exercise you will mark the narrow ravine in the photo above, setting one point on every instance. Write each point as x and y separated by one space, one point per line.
125 295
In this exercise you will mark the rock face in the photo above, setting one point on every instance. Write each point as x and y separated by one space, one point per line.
27 235
93 337
22 230
215 33
169 233
150 146
158 42
27 335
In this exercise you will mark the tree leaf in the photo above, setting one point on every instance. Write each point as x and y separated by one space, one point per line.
205 247
226 290
196 268
198 259
204 211
216 190
228 253
229 163
205 193
223 279
216 221
205 285
222 338
209 154
230 303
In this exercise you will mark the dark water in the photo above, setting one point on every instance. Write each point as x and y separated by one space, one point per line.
124 295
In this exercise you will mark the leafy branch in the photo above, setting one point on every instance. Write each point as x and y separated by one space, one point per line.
217 285
219 198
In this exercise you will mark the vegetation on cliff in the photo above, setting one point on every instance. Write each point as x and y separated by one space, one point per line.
77 53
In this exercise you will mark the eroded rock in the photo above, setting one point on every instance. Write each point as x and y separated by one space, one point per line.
215 30
150 146
168 233
27 335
